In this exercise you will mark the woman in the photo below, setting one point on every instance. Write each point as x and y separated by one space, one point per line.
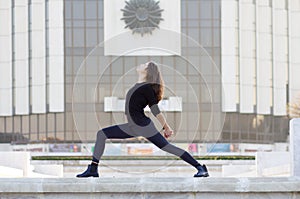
147 91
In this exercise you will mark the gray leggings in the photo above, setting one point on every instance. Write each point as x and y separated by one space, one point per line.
127 130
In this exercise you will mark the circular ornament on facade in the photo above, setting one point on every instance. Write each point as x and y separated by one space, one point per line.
142 16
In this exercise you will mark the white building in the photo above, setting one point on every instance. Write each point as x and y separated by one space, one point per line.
234 64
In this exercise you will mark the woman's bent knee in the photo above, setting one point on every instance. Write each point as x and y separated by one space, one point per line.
101 135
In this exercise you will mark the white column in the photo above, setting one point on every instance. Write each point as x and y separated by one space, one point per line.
247 55
229 30
264 57
294 49
56 56
280 57
294 146
5 58
38 64
21 66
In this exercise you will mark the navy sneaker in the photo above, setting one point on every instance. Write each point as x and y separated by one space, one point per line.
202 171
90 172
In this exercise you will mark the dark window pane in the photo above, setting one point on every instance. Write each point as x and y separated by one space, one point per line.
100 9
91 37
34 125
68 9
78 40
60 122
78 9
68 37
91 65
91 9
183 9
25 124
205 9
193 11
78 23
206 37
216 9
91 23
17 124
2 125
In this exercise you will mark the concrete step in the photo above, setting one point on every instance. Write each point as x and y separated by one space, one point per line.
135 188
141 168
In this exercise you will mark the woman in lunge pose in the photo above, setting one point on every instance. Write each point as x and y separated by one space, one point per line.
147 91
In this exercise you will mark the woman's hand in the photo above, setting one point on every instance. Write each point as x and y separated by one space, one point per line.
167 129
168 132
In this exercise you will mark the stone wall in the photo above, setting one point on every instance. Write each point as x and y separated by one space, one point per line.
136 188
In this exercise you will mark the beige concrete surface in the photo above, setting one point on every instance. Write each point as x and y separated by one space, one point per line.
150 188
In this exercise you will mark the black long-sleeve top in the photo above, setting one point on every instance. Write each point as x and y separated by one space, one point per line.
137 98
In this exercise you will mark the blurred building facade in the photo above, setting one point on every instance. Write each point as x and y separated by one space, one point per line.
236 69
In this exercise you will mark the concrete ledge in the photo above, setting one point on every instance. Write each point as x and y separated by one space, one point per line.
144 168
150 187
17 160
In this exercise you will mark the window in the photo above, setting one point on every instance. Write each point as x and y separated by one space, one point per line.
78 9
91 9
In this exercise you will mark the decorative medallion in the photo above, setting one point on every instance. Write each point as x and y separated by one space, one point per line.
142 16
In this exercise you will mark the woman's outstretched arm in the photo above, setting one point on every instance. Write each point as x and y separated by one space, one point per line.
167 129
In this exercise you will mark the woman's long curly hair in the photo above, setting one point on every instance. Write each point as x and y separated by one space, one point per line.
155 79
